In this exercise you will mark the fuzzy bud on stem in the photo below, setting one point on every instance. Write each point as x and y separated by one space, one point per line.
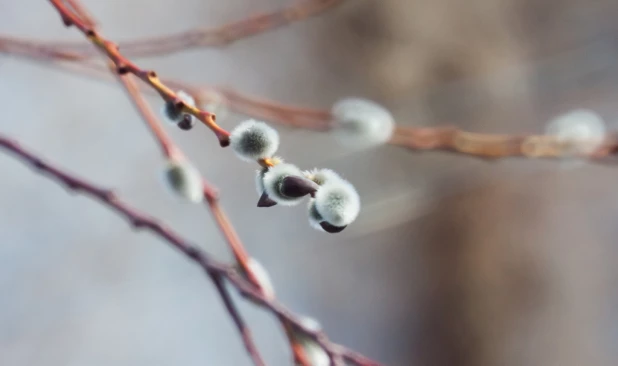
313 351
184 180
580 131
253 140
337 204
361 123
262 277
174 114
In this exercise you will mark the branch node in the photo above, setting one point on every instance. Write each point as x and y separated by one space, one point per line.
195 254
122 70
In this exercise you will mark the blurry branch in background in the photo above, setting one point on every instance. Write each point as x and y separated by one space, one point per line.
446 138
212 37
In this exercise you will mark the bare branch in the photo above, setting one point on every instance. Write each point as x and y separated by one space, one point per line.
124 66
213 37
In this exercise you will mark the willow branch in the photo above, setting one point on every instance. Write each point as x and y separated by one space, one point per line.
210 265
450 139
124 66
493 146
294 116
212 37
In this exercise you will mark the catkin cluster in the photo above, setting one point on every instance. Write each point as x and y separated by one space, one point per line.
333 202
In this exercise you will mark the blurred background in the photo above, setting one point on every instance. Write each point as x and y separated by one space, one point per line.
453 260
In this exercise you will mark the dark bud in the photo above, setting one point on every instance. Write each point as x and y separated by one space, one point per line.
224 141
331 228
122 70
293 186
265 201
187 122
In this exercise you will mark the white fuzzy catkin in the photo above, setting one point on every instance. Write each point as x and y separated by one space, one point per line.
253 140
310 323
581 131
337 202
321 176
184 180
173 114
262 277
361 123
273 179
259 180
259 175
316 355
314 216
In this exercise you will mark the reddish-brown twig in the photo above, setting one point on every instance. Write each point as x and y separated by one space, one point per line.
493 146
214 37
214 268
124 66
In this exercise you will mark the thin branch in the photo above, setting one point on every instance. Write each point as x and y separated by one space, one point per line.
212 37
168 148
210 265
245 332
451 139
493 146
124 66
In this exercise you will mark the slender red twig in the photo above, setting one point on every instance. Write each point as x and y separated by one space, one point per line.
124 66
212 37
214 268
